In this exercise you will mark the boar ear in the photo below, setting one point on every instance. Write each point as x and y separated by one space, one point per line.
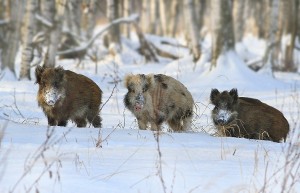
150 80
234 94
213 94
38 73
126 80
142 76
60 73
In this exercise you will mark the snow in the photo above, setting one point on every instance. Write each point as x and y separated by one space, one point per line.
121 158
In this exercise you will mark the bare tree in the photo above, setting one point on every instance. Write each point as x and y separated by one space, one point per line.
238 24
127 5
223 38
163 16
145 16
113 36
290 30
55 33
14 12
29 29
174 18
192 29
89 15
73 14
270 56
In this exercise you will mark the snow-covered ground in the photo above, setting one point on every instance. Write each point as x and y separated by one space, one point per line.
121 158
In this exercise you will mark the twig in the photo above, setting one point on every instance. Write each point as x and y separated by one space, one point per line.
159 162
111 94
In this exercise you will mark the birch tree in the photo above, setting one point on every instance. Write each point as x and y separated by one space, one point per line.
73 16
89 18
290 31
222 29
113 36
174 18
238 24
145 16
14 12
126 12
270 55
192 29
163 16
55 33
29 29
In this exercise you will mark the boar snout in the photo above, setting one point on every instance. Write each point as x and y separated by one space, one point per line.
223 117
51 96
221 120
139 102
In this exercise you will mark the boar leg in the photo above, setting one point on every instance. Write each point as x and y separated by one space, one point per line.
175 125
80 122
94 118
62 123
155 126
51 121
142 123
186 123
96 121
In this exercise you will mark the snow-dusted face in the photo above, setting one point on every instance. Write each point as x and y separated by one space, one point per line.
225 103
137 86
51 87
51 96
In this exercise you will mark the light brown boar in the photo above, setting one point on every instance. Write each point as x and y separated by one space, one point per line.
247 117
158 98
64 95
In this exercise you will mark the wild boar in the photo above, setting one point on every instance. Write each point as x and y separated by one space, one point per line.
158 98
64 95
247 117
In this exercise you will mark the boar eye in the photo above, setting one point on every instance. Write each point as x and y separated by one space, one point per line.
145 88
56 84
130 89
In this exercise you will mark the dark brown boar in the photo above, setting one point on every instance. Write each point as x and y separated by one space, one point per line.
158 98
247 117
64 95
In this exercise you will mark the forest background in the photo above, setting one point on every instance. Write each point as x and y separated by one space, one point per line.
45 29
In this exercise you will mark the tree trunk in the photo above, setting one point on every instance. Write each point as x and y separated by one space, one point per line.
174 18
270 56
290 30
249 18
192 29
155 26
163 17
113 36
89 18
238 24
127 12
262 17
223 38
29 29
13 34
3 10
145 17
47 11
73 15
55 34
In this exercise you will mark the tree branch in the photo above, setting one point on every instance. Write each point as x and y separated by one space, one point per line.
44 21
130 19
